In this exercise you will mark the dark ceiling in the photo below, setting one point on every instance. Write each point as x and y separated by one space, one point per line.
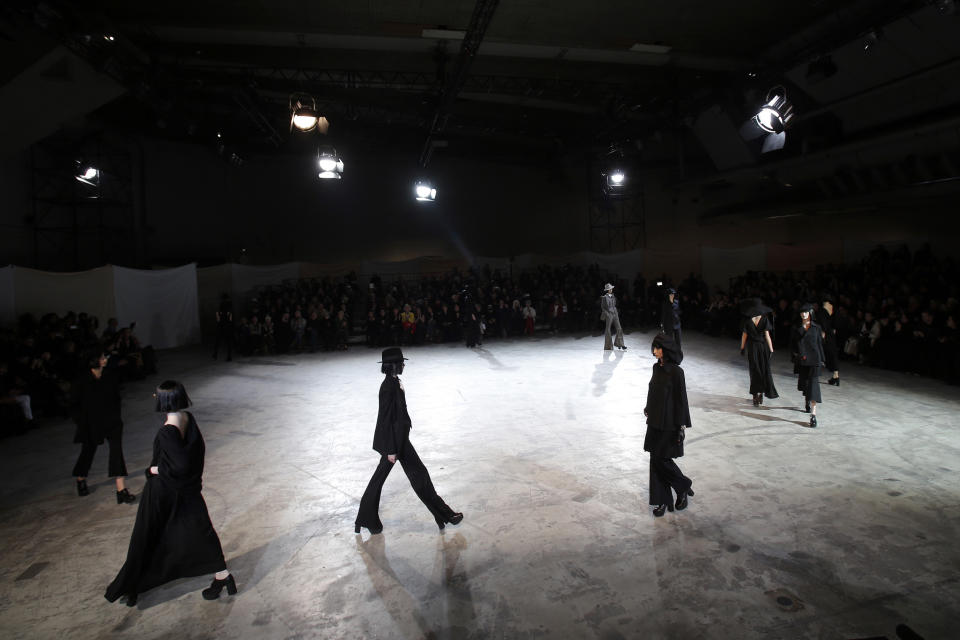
529 76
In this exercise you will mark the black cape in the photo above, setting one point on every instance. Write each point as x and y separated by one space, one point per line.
173 536
666 410
758 357
393 421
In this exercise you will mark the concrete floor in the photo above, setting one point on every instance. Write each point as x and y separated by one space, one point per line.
839 532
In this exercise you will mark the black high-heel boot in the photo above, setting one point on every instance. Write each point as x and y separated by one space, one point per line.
82 489
213 591
125 497
813 422
835 382
372 530
659 509
682 501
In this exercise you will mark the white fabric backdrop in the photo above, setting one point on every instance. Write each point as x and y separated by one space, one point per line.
40 292
163 303
8 312
719 265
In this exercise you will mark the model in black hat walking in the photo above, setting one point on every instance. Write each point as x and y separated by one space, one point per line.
391 440
807 348
668 418
828 331
757 345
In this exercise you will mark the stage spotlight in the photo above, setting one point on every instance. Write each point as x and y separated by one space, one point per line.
87 174
616 178
424 191
329 163
304 115
771 121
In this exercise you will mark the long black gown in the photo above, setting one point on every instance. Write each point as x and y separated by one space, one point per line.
758 358
173 536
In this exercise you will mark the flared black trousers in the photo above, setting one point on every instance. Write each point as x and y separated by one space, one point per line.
664 476
116 467
419 477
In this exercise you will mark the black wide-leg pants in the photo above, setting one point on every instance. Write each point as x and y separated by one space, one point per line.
419 477
666 475
116 467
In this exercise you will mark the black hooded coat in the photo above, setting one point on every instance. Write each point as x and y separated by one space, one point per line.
667 406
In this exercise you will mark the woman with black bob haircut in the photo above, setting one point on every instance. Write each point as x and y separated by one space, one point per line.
173 536
668 416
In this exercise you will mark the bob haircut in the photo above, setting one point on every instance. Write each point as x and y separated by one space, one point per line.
392 368
172 397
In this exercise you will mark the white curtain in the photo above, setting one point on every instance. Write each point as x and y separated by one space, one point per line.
40 292
162 302
8 312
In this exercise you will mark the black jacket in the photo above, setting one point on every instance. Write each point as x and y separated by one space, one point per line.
393 421
96 407
808 346
666 410
670 315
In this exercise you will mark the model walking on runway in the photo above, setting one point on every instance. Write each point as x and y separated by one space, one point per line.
831 352
611 319
757 345
668 417
97 414
391 440
173 536
808 355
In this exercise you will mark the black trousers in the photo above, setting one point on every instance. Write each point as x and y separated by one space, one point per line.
116 467
419 477
676 336
666 475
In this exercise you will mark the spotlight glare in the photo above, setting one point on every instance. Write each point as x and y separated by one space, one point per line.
88 175
329 163
424 191
305 119
617 177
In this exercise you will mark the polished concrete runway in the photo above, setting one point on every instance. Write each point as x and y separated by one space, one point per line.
839 532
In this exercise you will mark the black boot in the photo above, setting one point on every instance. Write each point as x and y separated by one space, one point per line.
373 530
681 502
125 497
82 489
213 591
807 407
659 509
813 422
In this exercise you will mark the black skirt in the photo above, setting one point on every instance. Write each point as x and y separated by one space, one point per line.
761 378
172 538
809 383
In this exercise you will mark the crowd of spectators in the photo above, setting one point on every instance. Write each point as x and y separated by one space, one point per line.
41 359
892 309
302 316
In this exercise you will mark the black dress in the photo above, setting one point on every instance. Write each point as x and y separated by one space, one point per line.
808 351
173 536
830 348
666 410
758 357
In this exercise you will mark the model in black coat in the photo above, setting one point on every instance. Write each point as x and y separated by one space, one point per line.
807 347
668 416
757 345
391 439
173 536
670 316
96 405
831 351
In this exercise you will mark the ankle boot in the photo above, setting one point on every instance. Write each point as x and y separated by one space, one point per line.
213 591
813 422
659 509
82 489
125 497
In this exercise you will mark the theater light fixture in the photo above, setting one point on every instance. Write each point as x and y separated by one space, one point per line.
304 115
424 191
771 121
87 174
329 163
616 178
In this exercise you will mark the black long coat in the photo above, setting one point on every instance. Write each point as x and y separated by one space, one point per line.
393 421
173 536
96 405
807 345
830 347
666 410
758 357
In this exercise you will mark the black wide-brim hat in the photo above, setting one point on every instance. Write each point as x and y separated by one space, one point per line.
392 354
806 306
751 307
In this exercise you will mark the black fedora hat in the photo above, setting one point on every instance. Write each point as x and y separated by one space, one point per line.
392 354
